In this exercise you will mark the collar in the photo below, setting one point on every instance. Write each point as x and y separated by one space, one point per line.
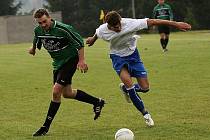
53 24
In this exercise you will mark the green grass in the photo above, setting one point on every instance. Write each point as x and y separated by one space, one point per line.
179 99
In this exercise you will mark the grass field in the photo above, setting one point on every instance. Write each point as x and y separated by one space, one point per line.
179 98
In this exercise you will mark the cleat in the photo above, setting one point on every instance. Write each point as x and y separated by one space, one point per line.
124 92
148 120
98 107
41 132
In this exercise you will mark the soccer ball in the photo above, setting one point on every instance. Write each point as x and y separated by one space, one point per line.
124 134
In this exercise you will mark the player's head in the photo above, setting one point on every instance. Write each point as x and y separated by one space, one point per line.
161 1
113 20
43 18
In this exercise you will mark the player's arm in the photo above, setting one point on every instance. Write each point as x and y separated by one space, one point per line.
82 66
179 25
91 40
36 44
75 37
32 50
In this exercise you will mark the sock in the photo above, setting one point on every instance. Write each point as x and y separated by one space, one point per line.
138 103
137 88
166 42
53 108
84 97
162 41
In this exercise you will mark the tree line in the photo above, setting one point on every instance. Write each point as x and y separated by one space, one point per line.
84 14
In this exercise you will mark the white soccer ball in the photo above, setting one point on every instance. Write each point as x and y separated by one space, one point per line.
124 134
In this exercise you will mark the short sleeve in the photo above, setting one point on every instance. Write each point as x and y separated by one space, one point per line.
98 33
139 24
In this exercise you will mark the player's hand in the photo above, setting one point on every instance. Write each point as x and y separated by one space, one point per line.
82 66
183 26
90 41
32 51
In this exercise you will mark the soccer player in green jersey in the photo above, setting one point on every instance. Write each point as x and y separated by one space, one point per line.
163 11
66 48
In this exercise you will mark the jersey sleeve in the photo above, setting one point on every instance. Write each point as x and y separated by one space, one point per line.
75 37
99 32
137 24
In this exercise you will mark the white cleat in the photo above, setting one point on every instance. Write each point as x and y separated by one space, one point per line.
148 120
126 95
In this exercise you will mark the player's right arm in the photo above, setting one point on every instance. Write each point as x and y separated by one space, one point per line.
32 50
91 40
36 43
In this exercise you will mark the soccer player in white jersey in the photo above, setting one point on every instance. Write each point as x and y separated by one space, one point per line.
120 33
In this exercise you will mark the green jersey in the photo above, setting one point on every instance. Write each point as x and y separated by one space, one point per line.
162 12
62 42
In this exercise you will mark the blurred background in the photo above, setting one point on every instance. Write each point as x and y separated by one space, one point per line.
84 15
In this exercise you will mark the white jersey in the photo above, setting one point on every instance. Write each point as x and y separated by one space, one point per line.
122 43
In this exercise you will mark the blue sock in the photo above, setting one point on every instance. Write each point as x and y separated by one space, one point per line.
138 103
137 88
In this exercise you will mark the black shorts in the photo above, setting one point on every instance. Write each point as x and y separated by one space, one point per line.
163 29
64 75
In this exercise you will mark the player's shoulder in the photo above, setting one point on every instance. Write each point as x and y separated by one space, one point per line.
61 24
131 20
103 27
156 6
126 19
38 29
167 5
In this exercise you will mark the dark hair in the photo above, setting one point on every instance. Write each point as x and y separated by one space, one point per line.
40 12
113 18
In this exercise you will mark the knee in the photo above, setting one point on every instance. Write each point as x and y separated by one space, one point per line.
145 88
57 91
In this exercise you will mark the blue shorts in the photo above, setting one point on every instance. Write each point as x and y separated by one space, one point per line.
132 62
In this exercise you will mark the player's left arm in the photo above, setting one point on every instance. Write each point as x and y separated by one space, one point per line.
36 43
82 65
72 35
183 26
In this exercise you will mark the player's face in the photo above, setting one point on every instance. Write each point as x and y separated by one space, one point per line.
161 1
45 22
116 28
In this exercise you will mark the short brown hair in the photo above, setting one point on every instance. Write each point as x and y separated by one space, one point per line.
40 12
112 18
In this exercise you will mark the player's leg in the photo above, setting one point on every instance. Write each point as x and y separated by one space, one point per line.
82 96
137 70
60 80
166 31
144 84
166 40
136 100
53 108
162 40
161 30
137 86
